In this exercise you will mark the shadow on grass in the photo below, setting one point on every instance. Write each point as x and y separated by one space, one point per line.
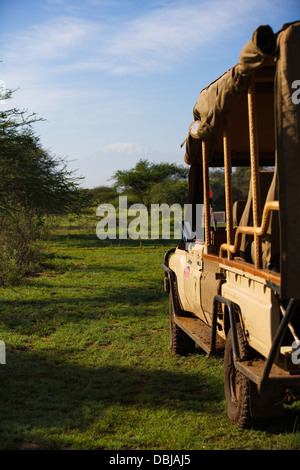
89 240
56 269
61 306
41 391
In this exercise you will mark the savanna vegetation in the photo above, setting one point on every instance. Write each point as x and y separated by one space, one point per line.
85 322
157 183
34 187
88 364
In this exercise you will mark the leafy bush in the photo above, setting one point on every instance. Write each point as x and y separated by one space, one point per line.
19 246
145 176
33 185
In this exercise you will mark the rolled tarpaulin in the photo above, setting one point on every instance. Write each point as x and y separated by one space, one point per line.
216 100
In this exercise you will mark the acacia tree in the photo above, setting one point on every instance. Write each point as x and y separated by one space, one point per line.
33 185
30 176
145 176
240 185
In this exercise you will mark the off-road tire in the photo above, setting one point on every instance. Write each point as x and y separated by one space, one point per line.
245 406
180 342
237 385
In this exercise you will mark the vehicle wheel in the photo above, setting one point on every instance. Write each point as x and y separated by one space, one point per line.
245 407
180 342
237 385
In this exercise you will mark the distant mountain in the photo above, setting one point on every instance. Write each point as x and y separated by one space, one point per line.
98 168
130 148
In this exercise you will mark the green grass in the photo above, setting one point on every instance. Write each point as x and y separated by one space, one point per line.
88 362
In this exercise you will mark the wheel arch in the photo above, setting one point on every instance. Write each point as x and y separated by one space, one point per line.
232 317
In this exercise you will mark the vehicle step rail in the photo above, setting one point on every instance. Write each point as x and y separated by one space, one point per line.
199 332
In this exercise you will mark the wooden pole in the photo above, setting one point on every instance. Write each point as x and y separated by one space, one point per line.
228 185
206 192
254 157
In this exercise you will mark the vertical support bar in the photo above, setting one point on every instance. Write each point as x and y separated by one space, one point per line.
254 169
206 192
232 320
228 186
277 341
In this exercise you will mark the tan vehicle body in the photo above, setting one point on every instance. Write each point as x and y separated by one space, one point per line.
222 296
256 300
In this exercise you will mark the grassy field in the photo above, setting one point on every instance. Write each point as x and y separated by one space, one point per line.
88 364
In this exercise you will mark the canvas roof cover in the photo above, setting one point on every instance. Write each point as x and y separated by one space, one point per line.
273 61
287 125
227 95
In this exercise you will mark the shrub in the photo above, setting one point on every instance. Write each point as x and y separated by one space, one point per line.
33 185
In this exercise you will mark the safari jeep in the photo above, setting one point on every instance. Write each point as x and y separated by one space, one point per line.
237 287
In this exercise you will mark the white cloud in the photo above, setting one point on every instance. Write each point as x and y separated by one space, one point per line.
165 35
151 41
64 64
49 41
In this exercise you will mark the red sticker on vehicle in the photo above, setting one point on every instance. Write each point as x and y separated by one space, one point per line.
187 272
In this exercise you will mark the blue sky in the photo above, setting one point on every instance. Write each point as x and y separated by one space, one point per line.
117 80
